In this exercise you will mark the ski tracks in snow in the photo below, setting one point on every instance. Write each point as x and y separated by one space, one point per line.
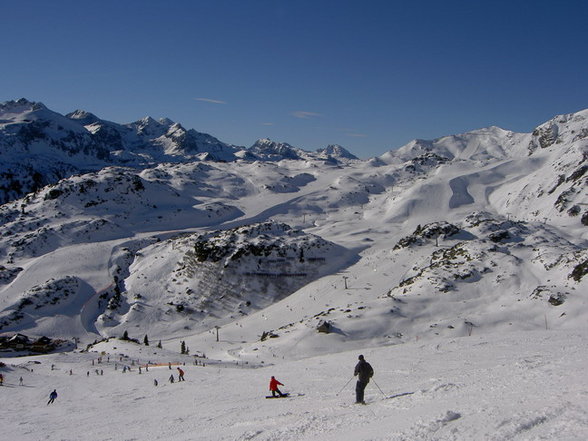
549 423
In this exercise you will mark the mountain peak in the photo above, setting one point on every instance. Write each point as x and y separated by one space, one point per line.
336 151
20 106
166 122
78 114
273 150
264 142
149 127
147 120
83 117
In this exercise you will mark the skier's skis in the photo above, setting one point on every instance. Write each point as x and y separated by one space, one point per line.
402 394
285 395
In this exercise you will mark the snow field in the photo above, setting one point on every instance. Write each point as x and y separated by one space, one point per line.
516 386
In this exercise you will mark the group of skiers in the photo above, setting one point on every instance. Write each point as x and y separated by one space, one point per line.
363 371
171 377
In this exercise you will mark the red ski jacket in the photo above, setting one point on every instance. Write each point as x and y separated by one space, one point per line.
274 384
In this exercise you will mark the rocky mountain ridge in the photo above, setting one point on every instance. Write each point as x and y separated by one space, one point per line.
38 146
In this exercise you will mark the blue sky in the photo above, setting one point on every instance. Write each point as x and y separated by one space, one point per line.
369 75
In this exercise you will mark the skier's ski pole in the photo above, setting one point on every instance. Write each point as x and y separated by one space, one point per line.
344 386
379 388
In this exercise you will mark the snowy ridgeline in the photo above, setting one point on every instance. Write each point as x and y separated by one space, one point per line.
38 146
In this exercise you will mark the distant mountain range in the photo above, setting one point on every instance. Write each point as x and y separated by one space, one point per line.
39 146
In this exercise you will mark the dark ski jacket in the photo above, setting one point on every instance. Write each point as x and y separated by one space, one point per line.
363 371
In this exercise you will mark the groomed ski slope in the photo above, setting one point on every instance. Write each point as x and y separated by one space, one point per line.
515 386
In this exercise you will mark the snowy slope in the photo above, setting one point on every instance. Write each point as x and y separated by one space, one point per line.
515 386
197 281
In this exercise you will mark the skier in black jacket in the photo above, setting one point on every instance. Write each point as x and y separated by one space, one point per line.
52 396
363 372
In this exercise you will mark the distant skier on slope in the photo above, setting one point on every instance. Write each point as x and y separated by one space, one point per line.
363 372
273 386
180 375
52 396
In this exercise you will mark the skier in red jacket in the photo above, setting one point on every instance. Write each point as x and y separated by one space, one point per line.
273 386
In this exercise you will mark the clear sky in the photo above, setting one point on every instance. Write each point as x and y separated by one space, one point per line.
370 75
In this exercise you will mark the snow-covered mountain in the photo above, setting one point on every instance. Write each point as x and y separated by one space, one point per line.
39 147
469 247
275 150
336 151
268 150
454 217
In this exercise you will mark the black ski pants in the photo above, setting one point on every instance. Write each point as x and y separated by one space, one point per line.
359 389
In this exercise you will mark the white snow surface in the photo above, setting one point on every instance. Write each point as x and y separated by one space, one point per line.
513 386
456 266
